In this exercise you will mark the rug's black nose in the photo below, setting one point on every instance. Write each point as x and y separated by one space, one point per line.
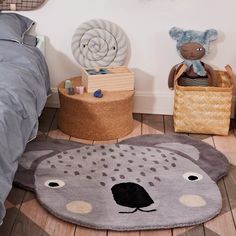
131 195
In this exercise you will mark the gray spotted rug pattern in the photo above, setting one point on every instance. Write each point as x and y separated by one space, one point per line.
146 182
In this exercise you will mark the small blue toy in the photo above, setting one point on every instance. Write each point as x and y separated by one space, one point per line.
91 72
98 93
101 71
104 71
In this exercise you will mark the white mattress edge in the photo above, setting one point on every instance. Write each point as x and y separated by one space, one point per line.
41 43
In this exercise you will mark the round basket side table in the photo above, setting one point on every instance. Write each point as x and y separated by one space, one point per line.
86 117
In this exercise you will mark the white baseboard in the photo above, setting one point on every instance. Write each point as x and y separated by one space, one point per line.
154 103
144 102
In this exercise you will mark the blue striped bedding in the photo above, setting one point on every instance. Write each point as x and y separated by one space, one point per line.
24 86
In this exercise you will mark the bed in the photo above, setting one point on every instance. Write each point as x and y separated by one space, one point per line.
24 88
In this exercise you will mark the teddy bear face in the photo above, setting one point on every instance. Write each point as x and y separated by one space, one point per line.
192 51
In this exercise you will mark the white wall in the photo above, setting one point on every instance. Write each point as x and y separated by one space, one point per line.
146 22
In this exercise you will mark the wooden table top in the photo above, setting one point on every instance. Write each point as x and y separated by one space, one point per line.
108 96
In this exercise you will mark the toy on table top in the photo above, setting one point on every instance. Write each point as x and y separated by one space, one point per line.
193 46
69 87
98 93
79 89
71 91
101 71
68 84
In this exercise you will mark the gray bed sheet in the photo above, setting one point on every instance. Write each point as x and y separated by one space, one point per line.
24 86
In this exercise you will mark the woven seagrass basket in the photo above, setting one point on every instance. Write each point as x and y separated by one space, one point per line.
204 110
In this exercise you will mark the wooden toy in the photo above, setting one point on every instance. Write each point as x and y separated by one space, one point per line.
71 91
77 89
118 78
98 93
68 84
81 89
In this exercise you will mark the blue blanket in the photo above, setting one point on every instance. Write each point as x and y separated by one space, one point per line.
24 86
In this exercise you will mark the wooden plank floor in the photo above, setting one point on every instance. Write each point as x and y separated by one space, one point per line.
25 217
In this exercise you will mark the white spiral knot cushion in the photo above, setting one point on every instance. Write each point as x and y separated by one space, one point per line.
99 43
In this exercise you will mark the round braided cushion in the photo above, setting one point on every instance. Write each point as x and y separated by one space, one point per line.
99 43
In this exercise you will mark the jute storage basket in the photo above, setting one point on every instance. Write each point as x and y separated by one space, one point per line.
204 110
85 117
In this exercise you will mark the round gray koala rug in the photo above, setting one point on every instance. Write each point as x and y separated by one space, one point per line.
147 182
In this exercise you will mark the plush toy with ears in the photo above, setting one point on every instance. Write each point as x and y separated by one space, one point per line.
193 46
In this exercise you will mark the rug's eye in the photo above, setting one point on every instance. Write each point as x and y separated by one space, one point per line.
191 176
54 183
113 48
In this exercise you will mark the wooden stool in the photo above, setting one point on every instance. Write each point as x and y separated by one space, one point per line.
86 117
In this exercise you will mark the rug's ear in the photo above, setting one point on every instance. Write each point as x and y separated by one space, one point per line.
29 157
56 145
213 162
185 149
24 178
36 151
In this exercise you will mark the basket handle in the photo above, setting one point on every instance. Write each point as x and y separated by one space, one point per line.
180 70
230 73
